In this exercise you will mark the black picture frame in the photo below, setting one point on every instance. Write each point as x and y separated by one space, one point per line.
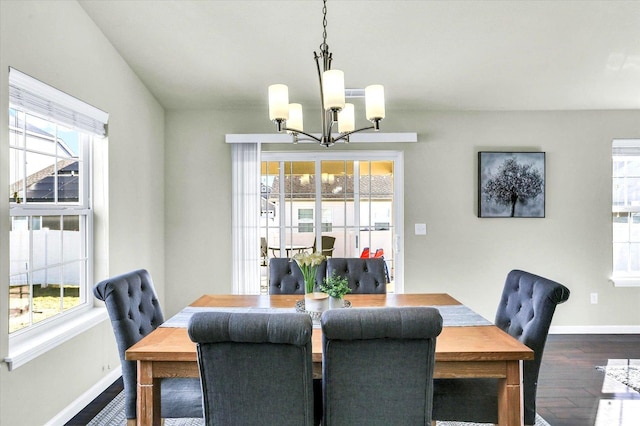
511 184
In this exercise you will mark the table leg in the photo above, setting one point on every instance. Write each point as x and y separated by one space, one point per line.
148 396
510 400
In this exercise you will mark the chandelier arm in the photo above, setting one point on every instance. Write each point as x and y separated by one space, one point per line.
323 113
303 133
346 134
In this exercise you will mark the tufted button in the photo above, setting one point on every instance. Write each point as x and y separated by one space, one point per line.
279 285
357 283
297 286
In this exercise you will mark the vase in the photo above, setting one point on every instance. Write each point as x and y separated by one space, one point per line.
336 302
316 302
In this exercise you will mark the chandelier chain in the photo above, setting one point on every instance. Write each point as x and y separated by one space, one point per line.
324 47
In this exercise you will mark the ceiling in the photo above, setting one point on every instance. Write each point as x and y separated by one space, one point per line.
432 55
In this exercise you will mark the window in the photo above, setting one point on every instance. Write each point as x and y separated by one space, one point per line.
626 212
50 219
50 144
327 221
305 220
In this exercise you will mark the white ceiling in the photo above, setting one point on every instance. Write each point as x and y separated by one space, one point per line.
438 55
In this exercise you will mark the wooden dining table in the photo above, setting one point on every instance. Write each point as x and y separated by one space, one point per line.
462 351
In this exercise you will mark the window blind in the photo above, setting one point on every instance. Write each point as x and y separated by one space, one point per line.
35 96
626 147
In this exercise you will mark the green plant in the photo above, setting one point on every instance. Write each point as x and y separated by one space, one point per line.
335 286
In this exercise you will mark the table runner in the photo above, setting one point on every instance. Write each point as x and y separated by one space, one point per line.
452 315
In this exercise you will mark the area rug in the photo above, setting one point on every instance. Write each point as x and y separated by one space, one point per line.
628 375
113 415
539 422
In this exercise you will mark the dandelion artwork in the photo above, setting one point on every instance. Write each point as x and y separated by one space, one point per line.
511 184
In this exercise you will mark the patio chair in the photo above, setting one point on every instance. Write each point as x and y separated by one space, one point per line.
327 245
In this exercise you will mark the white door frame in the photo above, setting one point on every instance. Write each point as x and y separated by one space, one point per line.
398 189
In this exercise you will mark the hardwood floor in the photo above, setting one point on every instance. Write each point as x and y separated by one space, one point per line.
570 389
91 410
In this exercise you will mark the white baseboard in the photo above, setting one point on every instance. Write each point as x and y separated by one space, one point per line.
595 329
83 400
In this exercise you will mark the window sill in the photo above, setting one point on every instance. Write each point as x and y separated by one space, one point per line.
34 346
625 281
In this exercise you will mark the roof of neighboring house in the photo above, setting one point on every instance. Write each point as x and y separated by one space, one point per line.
379 186
40 185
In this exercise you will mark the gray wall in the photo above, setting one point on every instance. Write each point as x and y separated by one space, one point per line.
461 254
57 43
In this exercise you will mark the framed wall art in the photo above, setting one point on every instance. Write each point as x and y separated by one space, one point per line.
511 184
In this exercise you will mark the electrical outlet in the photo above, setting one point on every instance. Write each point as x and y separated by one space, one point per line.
421 228
594 298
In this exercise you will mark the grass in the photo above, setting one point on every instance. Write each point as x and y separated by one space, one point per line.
46 303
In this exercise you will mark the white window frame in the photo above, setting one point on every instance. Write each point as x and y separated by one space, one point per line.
45 102
624 148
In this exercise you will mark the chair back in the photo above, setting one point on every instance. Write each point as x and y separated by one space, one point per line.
327 245
285 276
377 366
134 311
365 276
255 368
525 311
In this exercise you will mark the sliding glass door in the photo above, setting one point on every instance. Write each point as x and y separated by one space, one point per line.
353 198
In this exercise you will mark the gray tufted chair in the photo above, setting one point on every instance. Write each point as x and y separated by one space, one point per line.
285 276
255 368
134 311
365 276
377 366
525 311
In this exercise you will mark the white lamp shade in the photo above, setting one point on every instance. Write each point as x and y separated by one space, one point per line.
295 117
346 119
333 89
278 102
374 101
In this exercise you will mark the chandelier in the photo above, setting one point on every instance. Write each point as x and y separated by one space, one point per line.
288 117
